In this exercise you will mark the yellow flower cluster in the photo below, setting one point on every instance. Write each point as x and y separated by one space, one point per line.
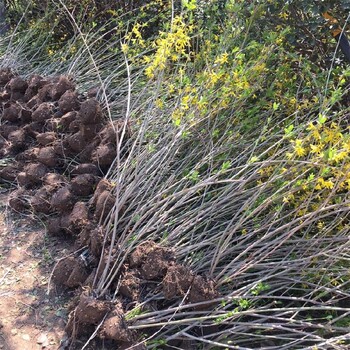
320 160
172 45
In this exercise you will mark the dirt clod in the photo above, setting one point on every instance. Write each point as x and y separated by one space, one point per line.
63 270
33 129
96 241
54 180
66 119
85 168
78 218
90 112
130 286
6 75
202 290
63 199
35 82
89 131
68 102
18 84
43 112
76 142
78 276
59 88
12 113
35 172
53 226
105 155
40 202
19 200
18 139
29 155
177 281
114 327
91 310
74 126
104 204
7 129
83 185
9 172
47 156
46 138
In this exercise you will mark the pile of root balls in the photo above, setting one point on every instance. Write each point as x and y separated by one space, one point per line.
55 148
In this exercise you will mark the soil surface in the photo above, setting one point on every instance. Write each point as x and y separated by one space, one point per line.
29 317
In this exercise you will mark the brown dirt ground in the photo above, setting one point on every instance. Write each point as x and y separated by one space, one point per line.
28 316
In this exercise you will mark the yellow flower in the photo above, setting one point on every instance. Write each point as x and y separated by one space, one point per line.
299 149
316 148
222 59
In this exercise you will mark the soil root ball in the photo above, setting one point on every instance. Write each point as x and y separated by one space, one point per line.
63 270
78 276
85 233
33 129
85 168
91 311
4 96
34 102
52 125
17 96
35 82
46 138
105 203
66 120
109 133
86 155
177 281
152 259
9 172
96 241
54 181
104 155
43 112
23 180
40 202
19 200
68 102
114 327
63 199
90 112
25 115
74 126
29 154
103 185
59 88
76 142
12 113
89 131
83 185
47 156
78 218
61 147
53 226
18 84
35 172
6 130
202 289
5 76
18 139
130 285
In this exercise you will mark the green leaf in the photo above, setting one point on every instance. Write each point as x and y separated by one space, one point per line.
288 130
322 119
